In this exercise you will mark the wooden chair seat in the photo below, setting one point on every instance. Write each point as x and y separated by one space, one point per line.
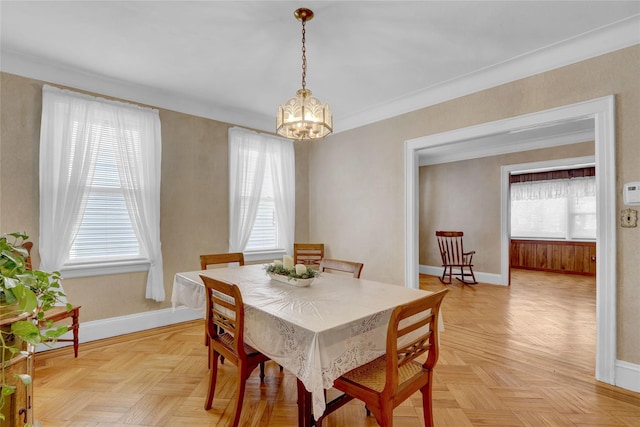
373 375
227 339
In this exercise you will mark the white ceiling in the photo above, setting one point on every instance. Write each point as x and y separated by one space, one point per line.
236 61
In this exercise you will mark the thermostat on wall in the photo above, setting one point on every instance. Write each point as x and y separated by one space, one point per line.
631 193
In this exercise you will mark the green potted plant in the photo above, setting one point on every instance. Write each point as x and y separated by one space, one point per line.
25 295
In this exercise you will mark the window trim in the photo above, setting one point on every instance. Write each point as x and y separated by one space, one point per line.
265 255
120 266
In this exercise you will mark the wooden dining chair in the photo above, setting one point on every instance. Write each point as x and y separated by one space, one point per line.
59 314
389 380
225 330
224 258
309 254
208 260
336 265
453 256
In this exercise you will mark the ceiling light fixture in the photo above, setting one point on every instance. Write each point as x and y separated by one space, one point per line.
304 117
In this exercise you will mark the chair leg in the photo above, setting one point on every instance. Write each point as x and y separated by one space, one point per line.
386 415
463 276
242 382
444 273
261 372
473 275
427 409
75 325
213 357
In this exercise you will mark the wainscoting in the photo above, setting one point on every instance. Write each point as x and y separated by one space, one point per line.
554 256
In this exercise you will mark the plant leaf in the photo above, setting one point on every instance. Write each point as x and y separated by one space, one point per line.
25 378
27 300
27 331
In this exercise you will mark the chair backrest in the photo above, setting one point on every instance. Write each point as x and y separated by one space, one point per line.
309 254
330 265
225 312
27 260
28 246
412 332
226 258
450 245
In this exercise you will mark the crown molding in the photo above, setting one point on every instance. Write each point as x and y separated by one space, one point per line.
59 74
616 36
603 40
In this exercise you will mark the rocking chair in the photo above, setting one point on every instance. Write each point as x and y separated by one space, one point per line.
454 256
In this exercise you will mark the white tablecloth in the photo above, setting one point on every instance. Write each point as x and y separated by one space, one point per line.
317 332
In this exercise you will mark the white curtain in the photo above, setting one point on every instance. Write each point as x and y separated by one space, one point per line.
249 152
561 208
71 131
539 190
64 170
283 167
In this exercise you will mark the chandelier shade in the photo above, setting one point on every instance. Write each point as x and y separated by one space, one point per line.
304 117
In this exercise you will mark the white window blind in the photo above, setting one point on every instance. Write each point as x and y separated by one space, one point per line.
105 230
264 234
554 209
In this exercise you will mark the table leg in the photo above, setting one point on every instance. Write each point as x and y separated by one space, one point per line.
304 406
75 325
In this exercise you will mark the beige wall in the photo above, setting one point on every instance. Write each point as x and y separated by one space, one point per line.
465 196
351 198
194 197
356 202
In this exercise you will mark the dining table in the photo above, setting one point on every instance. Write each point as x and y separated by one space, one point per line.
317 332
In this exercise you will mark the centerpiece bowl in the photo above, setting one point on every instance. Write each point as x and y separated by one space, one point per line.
299 275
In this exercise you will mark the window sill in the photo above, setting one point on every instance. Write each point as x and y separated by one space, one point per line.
552 239
270 255
104 269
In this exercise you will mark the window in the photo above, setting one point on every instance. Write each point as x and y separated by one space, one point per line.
554 209
100 187
264 234
262 193
105 231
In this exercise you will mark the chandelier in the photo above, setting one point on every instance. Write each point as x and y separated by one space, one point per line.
304 117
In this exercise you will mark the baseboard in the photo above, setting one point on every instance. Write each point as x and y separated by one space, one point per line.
115 326
491 278
628 376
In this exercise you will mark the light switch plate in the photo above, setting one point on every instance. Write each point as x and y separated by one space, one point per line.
629 218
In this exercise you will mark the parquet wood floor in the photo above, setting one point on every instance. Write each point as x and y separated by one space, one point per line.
511 356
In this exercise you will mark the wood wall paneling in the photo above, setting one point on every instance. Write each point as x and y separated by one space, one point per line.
557 256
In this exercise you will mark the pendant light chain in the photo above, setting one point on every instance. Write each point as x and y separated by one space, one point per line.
304 117
304 55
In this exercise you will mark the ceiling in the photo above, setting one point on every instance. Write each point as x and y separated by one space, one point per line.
236 61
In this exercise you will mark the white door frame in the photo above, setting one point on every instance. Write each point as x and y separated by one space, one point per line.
602 111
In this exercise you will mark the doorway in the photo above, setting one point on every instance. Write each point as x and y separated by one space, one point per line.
601 111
